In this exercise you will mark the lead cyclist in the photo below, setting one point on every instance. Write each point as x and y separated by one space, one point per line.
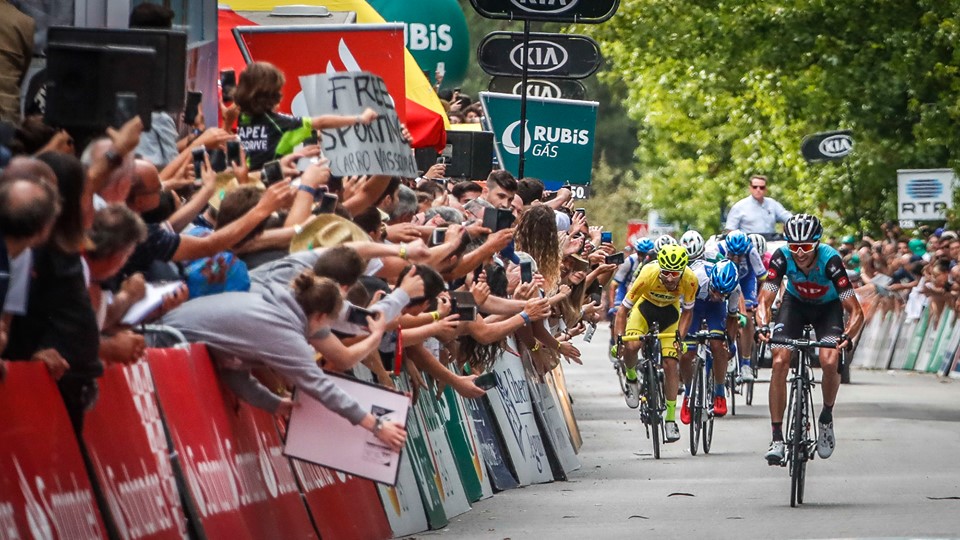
818 293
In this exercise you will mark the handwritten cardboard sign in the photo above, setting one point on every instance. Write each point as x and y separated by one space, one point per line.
377 148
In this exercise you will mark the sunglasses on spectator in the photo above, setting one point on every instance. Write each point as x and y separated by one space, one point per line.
670 274
761 188
802 247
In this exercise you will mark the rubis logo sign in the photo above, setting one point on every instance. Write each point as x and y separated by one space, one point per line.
581 11
552 55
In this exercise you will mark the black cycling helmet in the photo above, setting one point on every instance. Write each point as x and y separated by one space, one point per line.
803 228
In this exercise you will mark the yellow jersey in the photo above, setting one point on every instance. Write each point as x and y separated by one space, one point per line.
648 287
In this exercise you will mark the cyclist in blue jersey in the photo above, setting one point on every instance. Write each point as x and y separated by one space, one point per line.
818 292
718 302
739 249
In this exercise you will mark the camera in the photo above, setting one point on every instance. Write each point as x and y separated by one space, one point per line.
438 236
616 258
272 173
526 271
463 305
199 155
497 219
328 204
486 381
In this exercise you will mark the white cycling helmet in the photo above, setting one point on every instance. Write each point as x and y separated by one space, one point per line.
663 240
693 243
759 242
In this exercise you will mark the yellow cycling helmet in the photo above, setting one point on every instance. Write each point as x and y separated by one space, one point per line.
672 257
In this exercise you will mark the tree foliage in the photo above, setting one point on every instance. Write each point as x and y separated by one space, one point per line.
721 90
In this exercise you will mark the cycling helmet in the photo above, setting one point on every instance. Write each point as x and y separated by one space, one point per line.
758 242
693 243
644 245
803 228
672 258
737 243
663 240
723 279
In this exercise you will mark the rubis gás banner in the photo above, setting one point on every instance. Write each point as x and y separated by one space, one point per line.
559 138
307 50
377 148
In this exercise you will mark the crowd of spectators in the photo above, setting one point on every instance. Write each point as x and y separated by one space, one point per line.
401 273
902 271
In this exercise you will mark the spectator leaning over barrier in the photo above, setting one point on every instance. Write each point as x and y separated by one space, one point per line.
270 327
28 210
756 213
60 326
266 133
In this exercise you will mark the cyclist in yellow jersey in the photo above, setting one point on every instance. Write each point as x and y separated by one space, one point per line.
656 296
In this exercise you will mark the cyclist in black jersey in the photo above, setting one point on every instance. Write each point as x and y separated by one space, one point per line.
818 292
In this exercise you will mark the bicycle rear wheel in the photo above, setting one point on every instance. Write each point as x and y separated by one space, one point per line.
695 403
653 406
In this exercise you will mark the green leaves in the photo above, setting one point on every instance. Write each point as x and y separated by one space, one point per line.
722 90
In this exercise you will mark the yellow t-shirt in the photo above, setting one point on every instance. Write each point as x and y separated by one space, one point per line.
648 287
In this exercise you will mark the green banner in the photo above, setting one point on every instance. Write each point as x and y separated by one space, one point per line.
917 341
428 478
435 33
558 140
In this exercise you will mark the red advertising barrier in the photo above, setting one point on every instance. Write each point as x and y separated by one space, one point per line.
300 51
237 483
44 488
343 506
130 457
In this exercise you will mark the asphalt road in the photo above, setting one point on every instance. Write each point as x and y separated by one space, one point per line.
894 473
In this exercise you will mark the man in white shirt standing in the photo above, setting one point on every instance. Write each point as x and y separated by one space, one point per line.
757 213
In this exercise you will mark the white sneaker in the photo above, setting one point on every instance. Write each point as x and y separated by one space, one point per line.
826 441
673 432
775 453
632 397
746 373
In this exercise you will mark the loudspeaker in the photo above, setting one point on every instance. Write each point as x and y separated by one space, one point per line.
83 80
426 158
472 157
167 82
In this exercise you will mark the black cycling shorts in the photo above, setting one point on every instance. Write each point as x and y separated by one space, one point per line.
826 319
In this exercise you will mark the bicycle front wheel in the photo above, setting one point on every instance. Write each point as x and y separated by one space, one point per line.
653 404
798 444
695 404
708 393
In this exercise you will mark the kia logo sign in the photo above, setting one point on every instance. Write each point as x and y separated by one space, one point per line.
544 7
581 11
836 146
554 55
827 146
543 56
540 87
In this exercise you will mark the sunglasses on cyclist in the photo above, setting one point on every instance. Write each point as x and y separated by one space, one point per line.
670 274
801 248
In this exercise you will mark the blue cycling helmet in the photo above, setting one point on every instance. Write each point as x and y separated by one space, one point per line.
737 243
723 279
644 245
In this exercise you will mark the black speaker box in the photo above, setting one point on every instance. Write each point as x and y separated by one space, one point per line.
472 157
83 80
426 158
167 82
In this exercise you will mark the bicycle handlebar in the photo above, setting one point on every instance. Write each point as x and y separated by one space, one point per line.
802 343
640 337
704 335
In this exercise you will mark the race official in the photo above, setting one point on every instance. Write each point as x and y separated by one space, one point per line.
757 213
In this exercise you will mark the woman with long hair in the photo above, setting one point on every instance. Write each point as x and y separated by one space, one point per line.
536 234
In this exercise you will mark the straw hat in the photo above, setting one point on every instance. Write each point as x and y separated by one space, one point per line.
227 182
327 230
